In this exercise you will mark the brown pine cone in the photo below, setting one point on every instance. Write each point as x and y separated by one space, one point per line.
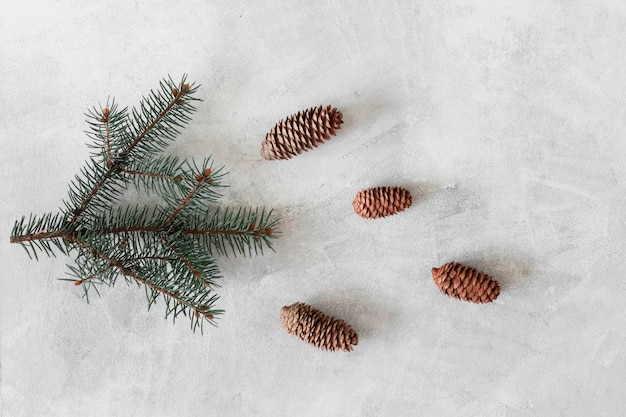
381 201
300 132
317 328
466 283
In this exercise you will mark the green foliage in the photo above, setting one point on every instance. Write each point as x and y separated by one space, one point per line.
168 248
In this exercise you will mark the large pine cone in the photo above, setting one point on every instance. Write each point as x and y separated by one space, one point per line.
300 132
381 201
317 328
466 283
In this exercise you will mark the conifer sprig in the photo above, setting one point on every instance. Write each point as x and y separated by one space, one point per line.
168 248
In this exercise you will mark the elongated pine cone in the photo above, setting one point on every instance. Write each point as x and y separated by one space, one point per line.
381 201
317 328
466 283
300 132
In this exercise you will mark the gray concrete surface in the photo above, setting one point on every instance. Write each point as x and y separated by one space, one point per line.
505 119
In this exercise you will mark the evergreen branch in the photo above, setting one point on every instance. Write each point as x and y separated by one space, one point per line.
40 234
238 231
108 130
172 179
185 299
242 231
160 116
160 122
166 248
93 275
130 219
164 175
47 226
173 253
194 271
91 271
193 256
182 293
95 191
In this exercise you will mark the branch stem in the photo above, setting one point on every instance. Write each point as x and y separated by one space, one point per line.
72 234
176 99
152 174
107 142
95 274
42 234
185 201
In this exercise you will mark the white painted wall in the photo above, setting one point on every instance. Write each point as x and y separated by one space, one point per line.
505 119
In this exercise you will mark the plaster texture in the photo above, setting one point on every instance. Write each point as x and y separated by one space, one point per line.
505 119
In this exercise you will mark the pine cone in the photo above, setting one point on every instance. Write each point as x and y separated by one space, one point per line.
381 201
466 283
317 328
300 132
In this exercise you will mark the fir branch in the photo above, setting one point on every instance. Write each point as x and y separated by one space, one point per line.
41 233
167 248
193 256
168 177
93 275
108 130
95 191
194 271
130 219
198 187
160 117
160 281
241 231
158 121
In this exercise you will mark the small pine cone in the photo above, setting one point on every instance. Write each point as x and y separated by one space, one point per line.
300 132
466 283
317 328
381 201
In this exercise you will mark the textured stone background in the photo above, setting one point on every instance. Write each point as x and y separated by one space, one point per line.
504 118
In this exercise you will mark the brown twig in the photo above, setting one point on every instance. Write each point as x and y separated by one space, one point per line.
95 274
184 202
42 234
158 258
153 175
107 143
71 235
